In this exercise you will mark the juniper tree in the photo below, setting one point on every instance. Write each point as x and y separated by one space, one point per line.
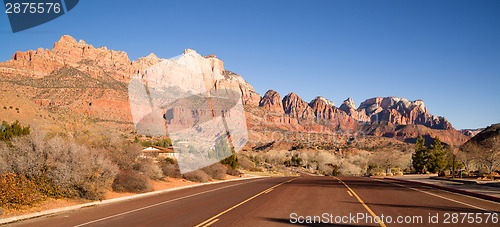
419 158
436 161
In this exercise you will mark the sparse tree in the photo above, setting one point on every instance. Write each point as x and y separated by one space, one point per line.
388 159
468 155
490 154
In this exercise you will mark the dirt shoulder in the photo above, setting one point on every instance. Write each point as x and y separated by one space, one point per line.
50 203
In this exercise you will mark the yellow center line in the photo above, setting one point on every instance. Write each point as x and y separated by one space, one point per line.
269 190
363 203
349 193
239 204
211 222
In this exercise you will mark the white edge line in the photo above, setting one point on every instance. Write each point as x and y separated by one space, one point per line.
444 190
75 207
442 197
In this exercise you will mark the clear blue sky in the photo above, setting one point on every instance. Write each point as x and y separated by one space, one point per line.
446 53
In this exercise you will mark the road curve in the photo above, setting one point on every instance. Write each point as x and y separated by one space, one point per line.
279 201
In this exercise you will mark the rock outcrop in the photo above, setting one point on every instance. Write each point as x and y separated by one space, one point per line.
402 112
294 106
97 62
324 108
349 107
272 101
327 114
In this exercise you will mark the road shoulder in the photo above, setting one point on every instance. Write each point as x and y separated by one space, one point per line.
114 200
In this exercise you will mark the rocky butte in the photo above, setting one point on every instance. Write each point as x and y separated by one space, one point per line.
75 80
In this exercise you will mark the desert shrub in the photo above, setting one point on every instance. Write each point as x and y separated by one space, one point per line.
131 181
168 160
196 176
325 158
125 155
325 169
216 171
373 170
308 160
246 163
483 171
48 188
150 168
171 170
285 171
25 155
277 157
349 169
83 172
233 172
58 167
3 162
17 190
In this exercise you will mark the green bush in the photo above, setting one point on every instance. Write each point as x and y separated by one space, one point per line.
231 161
8 131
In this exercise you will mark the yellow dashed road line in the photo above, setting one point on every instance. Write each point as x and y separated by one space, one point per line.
361 201
211 220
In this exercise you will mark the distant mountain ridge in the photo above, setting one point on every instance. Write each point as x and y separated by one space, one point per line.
388 116
471 132
77 79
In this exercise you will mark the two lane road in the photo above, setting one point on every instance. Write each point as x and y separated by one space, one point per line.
345 201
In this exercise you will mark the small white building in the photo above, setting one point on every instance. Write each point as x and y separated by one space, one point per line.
157 152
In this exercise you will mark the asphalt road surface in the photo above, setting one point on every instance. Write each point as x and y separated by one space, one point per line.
279 201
